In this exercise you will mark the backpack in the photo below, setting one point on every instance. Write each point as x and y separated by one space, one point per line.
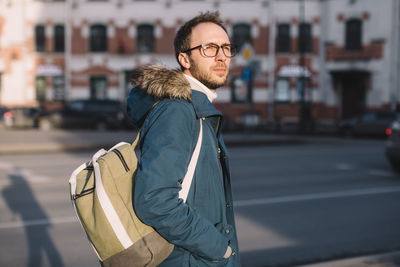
102 193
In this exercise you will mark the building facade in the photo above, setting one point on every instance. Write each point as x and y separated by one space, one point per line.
317 59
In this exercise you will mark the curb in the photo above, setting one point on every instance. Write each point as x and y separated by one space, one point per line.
388 259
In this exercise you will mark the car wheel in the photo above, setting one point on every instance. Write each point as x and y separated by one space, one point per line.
45 125
347 132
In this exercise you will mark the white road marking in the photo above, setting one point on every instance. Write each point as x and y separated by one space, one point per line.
238 203
314 196
385 173
344 167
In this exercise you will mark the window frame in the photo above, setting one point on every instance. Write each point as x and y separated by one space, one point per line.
353 34
304 41
59 39
283 41
239 40
98 41
40 38
145 41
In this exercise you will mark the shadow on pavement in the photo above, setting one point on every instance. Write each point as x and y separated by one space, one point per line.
21 201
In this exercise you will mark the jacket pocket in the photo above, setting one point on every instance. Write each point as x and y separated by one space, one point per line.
225 229
200 262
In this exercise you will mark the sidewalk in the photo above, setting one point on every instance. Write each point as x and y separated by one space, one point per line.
33 141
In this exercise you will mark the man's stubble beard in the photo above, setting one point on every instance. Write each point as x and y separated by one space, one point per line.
205 77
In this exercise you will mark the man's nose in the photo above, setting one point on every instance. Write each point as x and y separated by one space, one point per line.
220 55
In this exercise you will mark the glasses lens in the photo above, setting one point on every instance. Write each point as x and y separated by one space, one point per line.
233 50
229 50
210 50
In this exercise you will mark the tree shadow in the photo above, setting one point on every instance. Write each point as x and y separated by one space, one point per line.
22 202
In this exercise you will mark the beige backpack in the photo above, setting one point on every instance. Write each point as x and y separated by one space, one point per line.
101 192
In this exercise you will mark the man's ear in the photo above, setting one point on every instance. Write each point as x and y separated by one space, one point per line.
184 60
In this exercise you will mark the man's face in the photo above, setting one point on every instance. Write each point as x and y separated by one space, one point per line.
211 71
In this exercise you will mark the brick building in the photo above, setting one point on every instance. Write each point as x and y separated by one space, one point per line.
323 59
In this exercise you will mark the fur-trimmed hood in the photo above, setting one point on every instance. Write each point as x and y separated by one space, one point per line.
152 83
161 82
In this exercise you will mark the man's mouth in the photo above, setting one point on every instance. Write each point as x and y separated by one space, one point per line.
220 70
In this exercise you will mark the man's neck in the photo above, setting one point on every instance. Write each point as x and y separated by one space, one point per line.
198 86
188 73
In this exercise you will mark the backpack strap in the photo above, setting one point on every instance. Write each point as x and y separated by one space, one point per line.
187 180
134 144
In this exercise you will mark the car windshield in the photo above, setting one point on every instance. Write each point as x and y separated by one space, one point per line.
76 106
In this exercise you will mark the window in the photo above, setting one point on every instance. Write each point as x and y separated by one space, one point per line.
59 38
76 106
59 87
282 90
241 35
128 85
353 34
40 38
303 88
283 40
98 87
145 38
41 85
98 38
305 38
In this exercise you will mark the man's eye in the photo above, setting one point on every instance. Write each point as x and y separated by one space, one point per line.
209 47
227 48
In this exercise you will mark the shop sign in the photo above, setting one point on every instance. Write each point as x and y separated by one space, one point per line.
294 71
49 70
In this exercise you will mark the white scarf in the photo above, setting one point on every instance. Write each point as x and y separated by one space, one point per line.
198 86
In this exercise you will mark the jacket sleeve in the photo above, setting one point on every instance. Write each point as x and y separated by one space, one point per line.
165 154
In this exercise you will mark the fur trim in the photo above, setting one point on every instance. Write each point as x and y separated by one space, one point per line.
161 82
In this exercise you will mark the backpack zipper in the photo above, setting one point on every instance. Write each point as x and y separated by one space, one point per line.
119 154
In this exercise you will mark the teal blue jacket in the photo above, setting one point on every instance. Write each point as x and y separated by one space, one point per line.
202 228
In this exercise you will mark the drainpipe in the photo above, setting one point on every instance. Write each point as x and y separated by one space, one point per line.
322 76
395 51
67 53
271 59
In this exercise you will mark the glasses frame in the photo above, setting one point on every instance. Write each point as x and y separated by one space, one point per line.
202 47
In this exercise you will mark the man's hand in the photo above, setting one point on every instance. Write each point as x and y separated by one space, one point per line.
228 252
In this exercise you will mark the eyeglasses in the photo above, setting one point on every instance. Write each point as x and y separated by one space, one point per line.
211 50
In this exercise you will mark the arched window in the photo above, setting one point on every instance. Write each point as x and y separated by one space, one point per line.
283 38
40 38
98 38
353 34
241 35
145 38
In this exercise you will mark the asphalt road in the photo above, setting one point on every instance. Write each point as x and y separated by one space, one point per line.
295 204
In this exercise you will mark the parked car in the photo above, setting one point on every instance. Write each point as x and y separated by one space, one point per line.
22 117
392 149
88 113
2 119
369 124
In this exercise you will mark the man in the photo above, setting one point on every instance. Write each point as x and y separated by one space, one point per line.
202 229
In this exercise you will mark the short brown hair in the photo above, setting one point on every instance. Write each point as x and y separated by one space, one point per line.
182 37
